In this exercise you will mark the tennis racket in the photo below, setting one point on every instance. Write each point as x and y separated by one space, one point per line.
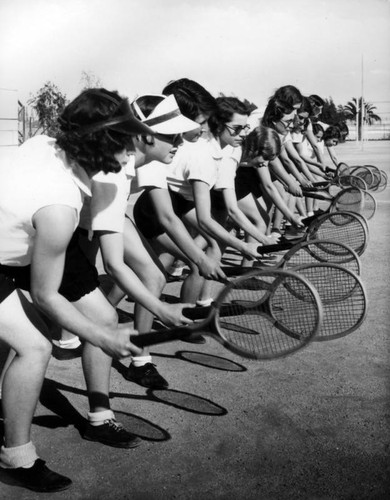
308 252
266 314
344 227
343 298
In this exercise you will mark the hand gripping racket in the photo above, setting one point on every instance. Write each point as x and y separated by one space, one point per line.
266 314
344 227
350 199
308 252
343 298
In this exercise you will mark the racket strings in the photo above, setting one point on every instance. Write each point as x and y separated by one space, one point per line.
319 251
343 298
283 322
342 227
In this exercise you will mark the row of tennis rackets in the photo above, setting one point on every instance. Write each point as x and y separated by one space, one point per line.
313 293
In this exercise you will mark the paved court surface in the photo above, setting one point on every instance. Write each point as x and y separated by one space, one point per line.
314 425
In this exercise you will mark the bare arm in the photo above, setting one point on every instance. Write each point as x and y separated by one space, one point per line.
273 193
211 226
54 227
178 232
295 157
230 198
278 169
316 148
112 249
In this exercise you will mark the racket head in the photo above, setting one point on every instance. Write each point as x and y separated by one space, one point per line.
350 199
322 252
342 169
344 227
343 297
377 177
346 181
282 314
383 182
369 205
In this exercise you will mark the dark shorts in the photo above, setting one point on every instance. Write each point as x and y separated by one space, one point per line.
247 182
217 201
145 214
80 276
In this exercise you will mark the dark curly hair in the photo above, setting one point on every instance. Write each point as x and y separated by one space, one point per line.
289 94
261 141
93 151
192 98
332 132
275 111
226 107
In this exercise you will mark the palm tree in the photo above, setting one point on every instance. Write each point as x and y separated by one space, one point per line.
353 109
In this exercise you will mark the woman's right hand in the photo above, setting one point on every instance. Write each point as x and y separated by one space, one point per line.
210 268
295 189
116 342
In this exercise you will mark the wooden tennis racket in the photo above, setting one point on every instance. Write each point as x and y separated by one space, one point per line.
266 314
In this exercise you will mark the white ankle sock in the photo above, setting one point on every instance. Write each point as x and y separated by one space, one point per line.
70 344
204 302
141 360
99 417
18 456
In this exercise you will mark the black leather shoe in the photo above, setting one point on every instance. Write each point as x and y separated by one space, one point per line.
147 376
111 433
39 478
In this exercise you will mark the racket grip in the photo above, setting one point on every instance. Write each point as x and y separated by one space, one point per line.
317 196
276 248
153 338
196 312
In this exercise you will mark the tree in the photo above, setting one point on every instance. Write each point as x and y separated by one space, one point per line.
89 80
353 110
48 103
331 113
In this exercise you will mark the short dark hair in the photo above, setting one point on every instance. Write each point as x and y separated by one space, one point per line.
275 111
192 98
146 104
93 151
226 107
289 94
332 132
316 100
318 128
262 141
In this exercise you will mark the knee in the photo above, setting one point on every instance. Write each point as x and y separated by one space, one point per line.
154 282
40 348
108 318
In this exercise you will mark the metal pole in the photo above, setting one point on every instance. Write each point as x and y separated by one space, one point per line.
362 109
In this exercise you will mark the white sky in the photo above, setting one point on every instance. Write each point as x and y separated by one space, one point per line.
243 47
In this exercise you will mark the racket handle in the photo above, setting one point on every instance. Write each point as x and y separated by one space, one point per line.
199 312
153 338
285 245
317 196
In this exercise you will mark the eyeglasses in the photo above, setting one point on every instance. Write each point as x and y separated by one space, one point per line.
237 129
301 118
287 123
170 138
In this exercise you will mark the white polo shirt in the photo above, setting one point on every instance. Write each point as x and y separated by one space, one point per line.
152 174
105 211
194 161
33 176
228 164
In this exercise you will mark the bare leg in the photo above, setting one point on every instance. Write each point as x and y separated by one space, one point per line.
97 364
22 329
